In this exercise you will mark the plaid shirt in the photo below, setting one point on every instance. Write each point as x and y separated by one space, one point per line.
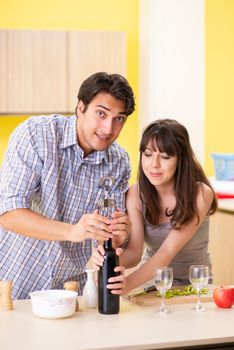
45 170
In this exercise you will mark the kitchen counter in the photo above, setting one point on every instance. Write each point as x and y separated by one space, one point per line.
135 327
221 243
224 188
226 205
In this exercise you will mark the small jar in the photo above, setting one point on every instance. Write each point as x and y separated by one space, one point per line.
90 292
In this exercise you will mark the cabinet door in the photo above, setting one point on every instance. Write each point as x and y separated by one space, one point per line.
37 71
221 247
41 71
3 71
91 52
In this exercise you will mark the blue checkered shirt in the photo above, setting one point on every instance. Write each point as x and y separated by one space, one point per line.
44 169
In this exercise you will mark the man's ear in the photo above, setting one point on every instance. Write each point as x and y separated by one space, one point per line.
80 108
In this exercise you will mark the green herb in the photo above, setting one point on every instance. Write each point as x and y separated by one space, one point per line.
187 290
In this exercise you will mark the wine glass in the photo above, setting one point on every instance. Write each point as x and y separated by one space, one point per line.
199 277
163 278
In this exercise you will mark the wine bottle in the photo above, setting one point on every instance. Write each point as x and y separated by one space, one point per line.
108 303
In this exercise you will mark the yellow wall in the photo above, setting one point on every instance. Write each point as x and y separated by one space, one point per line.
115 15
219 114
123 15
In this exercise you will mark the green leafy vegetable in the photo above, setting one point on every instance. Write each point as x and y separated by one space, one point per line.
187 290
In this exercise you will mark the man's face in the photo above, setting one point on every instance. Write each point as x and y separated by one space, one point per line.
101 123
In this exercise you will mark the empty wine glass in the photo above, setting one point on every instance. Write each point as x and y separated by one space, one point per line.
163 278
199 277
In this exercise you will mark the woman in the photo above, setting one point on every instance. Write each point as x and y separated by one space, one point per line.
169 209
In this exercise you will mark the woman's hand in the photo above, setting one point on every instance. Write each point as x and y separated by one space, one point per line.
117 283
98 256
120 227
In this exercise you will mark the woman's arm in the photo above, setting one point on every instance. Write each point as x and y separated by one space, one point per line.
172 244
132 254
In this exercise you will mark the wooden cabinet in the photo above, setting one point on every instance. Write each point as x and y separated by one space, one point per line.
221 247
37 71
41 71
3 70
90 52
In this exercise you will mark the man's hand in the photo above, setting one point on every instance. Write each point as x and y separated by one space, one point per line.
91 226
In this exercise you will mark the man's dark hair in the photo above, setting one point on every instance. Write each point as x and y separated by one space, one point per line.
113 84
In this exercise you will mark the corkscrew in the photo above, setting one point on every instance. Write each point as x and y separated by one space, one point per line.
108 303
107 204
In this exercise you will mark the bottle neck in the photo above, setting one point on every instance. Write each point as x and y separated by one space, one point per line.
90 273
108 244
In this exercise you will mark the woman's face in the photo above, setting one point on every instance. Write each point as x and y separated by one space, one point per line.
158 167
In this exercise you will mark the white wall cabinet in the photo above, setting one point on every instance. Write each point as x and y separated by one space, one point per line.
41 71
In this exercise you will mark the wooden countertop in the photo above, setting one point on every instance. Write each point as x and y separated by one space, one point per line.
135 327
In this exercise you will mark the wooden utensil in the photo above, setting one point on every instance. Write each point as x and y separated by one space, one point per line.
73 286
5 295
150 299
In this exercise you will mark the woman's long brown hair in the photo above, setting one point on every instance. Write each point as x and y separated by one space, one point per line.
172 138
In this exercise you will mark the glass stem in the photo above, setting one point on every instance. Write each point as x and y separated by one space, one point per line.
199 298
163 306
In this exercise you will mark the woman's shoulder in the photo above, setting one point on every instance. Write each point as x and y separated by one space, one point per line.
133 191
134 188
205 192
204 188
133 194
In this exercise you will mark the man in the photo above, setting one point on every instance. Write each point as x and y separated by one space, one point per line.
49 188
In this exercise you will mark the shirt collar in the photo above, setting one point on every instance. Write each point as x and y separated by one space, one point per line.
68 133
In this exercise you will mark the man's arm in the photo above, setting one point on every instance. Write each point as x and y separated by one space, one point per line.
30 224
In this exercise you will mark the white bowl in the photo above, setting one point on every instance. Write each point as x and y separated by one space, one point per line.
53 303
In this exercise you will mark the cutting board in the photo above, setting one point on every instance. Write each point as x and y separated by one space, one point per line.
150 299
